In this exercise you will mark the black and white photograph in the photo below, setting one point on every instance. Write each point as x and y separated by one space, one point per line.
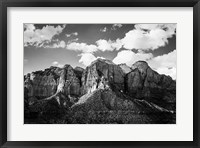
100 73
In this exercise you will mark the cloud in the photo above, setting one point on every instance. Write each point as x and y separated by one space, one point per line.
165 64
87 58
104 45
60 44
115 26
101 45
36 37
143 37
117 44
104 29
83 47
169 72
129 57
71 34
148 36
57 64
109 45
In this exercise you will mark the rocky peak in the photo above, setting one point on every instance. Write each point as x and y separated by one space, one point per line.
43 84
100 60
77 68
102 73
144 83
142 66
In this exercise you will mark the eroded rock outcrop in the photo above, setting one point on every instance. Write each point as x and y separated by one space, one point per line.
144 83
102 93
43 84
101 74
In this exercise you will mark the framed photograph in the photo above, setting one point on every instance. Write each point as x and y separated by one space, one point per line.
104 73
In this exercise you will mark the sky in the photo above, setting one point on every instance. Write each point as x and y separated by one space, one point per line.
48 45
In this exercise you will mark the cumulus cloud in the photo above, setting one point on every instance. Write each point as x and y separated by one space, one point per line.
104 45
109 45
117 44
83 47
87 58
72 34
36 37
165 64
57 64
115 26
148 36
103 29
169 72
60 44
129 57
101 45
142 37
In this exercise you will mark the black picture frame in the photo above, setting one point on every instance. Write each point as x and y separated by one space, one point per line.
99 3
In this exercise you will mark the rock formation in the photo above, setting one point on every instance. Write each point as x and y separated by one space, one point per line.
42 84
144 83
102 74
125 68
102 93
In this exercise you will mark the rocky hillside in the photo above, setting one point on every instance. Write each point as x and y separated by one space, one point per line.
102 93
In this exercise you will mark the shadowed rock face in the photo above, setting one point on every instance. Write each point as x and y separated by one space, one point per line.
144 83
102 93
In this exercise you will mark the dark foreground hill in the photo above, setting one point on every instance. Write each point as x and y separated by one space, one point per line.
102 93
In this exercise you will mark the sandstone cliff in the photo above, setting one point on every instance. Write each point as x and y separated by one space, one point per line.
144 83
102 93
102 74
42 84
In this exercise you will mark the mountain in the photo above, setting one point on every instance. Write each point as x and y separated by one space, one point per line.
144 83
102 93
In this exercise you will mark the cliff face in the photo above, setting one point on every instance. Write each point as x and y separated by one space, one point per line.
144 83
102 74
102 87
42 84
